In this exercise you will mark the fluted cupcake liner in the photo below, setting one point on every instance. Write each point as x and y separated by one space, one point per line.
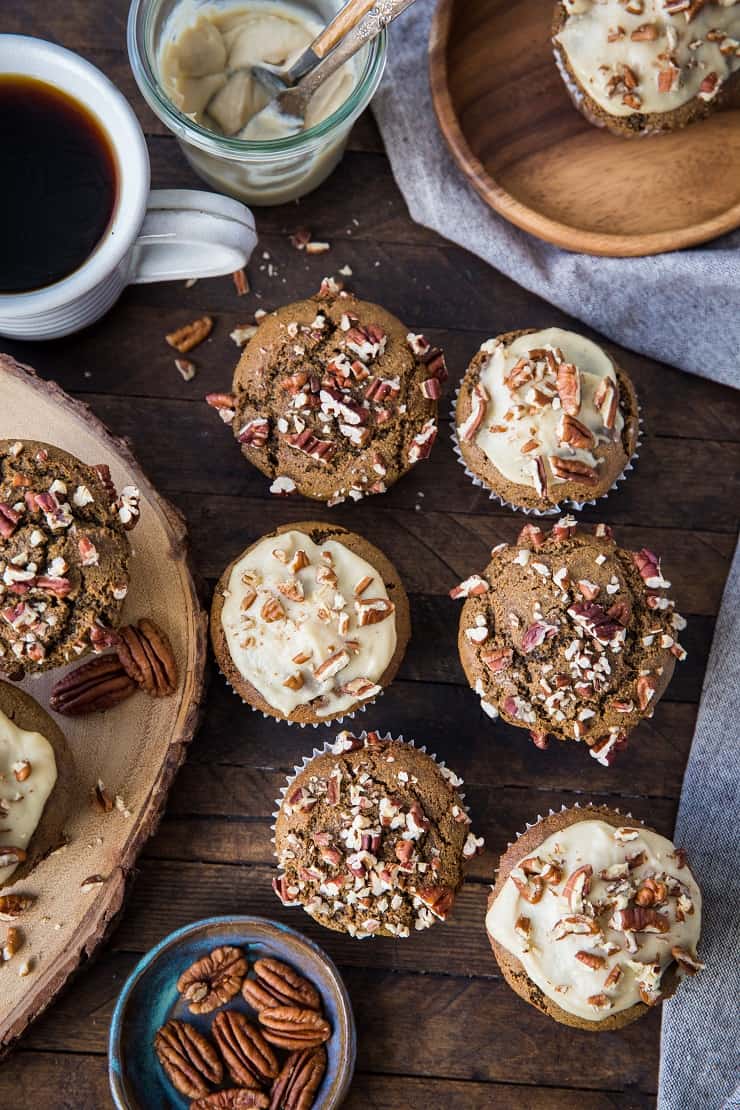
566 505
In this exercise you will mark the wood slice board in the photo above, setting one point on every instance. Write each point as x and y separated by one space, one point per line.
515 133
135 749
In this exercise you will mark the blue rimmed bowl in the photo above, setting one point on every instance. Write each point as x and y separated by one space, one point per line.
149 998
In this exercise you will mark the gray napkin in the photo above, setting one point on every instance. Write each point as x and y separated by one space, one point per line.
681 308
684 309
700 1048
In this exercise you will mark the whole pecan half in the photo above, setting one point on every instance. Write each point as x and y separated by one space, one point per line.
191 1062
214 979
248 1056
296 1086
291 1027
146 655
236 1098
92 687
286 986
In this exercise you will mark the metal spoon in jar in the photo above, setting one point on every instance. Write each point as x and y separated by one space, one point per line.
275 79
286 113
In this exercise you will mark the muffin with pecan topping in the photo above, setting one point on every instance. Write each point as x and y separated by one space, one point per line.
372 837
334 398
544 417
594 917
310 623
569 635
63 556
650 65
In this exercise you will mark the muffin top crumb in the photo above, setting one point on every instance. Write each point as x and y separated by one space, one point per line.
568 634
371 838
63 556
334 398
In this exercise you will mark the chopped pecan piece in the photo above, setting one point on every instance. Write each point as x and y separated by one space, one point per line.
640 919
646 687
577 886
573 433
255 433
498 660
439 899
190 335
568 384
531 535
591 959
11 905
652 892
373 610
478 401
688 963
573 470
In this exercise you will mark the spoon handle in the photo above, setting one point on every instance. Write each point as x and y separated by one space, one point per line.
372 23
343 22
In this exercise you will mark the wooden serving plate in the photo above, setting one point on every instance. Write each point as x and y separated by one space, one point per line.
135 749
534 159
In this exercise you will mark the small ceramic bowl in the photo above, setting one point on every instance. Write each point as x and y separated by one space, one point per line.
149 998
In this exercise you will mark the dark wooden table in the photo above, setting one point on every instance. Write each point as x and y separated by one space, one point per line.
437 1025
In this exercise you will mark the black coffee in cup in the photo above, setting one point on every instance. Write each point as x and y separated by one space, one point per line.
58 184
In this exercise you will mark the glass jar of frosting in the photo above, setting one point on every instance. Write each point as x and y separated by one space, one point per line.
192 61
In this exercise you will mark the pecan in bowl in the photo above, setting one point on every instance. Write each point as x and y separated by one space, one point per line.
287 1042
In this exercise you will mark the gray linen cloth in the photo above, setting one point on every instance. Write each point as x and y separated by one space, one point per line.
681 308
684 309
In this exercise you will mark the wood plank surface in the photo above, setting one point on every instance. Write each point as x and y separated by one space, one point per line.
437 1025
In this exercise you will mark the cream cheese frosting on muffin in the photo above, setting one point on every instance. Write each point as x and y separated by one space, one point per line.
309 624
597 914
28 774
543 412
649 56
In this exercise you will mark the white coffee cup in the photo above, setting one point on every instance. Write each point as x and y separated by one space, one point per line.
160 235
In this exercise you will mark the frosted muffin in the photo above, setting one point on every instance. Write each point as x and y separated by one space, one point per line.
310 623
648 65
594 918
544 417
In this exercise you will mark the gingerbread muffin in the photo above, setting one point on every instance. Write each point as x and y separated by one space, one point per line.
594 918
310 623
334 398
36 783
650 65
63 556
568 635
544 417
372 837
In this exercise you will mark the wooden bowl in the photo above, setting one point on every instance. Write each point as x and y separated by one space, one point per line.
534 159
149 998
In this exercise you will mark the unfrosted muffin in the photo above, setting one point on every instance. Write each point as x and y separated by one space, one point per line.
546 416
372 836
568 635
36 783
334 398
648 65
310 623
63 556
594 918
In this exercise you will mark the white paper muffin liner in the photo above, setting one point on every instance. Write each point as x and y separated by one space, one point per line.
566 505
328 748
359 708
